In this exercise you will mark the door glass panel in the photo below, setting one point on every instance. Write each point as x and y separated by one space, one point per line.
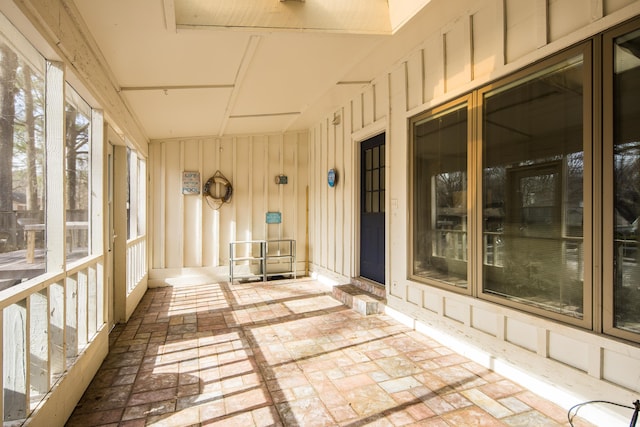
626 171
440 247
373 176
532 189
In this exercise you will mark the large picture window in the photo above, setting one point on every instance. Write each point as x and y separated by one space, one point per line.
622 168
501 191
532 189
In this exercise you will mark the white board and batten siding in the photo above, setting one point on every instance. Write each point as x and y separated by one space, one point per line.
189 233
465 45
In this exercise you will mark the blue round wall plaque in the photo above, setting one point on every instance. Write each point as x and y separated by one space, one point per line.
332 177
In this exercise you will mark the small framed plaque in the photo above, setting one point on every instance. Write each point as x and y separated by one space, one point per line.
274 217
190 182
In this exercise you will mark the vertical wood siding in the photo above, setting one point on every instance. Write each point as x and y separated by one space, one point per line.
189 233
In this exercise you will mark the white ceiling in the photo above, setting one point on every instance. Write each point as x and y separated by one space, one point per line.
188 68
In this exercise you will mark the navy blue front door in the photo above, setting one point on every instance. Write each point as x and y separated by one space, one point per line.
372 209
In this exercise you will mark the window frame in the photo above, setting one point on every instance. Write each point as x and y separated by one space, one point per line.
73 98
475 143
608 181
584 49
452 105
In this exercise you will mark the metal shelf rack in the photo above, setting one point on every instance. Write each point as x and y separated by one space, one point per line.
262 259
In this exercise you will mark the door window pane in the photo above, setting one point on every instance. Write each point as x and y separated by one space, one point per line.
532 187
77 163
626 170
373 175
440 247
22 159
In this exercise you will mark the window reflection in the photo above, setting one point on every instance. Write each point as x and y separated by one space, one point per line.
533 190
440 248
626 169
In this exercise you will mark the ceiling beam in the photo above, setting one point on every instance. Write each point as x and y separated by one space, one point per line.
247 56
175 87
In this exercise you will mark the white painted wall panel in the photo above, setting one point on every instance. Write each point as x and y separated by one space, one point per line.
484 320
210 218
192 218
622 369
457 54
323 204
456 310
432 301
433 67
242 189
157 192
396 160
259 197
227 162
611 6
339 190
173 231
487 36
368 106
290 211
569 351
414 295
274 166
522 28
350 208
566 16
317 209
332 198
381 97
415 79
521 334
357 119
302 193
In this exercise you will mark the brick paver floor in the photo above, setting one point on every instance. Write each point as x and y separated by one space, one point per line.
287 354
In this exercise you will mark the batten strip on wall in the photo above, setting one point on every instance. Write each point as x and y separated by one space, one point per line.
542 23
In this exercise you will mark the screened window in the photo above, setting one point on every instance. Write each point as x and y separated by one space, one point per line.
439 159
22 159
77 174
532 188
136 195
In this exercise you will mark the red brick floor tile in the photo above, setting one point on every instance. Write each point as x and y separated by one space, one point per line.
287 354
